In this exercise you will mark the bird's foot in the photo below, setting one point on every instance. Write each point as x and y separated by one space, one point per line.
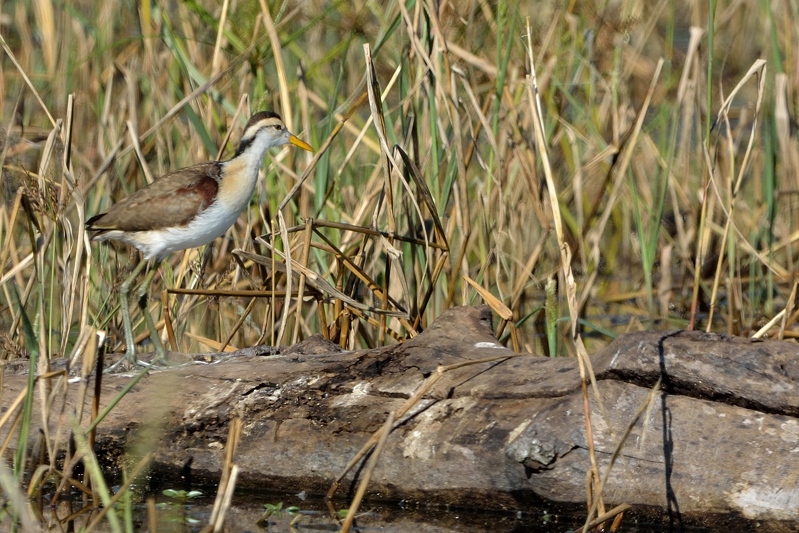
131 362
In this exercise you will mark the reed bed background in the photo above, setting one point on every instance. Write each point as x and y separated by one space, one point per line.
673 217
659 192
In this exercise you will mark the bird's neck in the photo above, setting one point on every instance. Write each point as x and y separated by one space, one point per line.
241 172
244 145
251 152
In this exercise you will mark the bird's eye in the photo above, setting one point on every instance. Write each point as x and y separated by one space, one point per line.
278 127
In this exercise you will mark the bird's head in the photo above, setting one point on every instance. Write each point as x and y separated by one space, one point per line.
268 129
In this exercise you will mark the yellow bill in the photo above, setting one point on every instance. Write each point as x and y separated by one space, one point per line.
302 144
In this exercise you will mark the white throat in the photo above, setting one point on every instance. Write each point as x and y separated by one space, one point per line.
241 174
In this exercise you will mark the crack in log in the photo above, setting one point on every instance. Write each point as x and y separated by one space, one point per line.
695 390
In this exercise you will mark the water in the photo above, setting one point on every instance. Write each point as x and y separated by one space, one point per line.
296 513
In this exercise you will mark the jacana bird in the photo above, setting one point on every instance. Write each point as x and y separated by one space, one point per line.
187 208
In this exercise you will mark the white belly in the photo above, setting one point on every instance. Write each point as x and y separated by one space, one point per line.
212 223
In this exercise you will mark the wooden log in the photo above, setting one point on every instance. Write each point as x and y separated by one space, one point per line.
721 436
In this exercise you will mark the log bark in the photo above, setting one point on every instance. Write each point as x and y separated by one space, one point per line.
719 436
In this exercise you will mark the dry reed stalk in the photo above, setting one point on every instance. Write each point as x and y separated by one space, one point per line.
17 500
306 248
152 518
364 231
314 281
757 72
594 494
495 303
240 321
25 77
352 511
227 483
788 311
210 343
288 264
617 513
645 408
277 54
168 325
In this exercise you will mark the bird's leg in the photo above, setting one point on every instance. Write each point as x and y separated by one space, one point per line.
124 290
142 294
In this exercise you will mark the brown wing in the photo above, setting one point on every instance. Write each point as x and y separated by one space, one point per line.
170 201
